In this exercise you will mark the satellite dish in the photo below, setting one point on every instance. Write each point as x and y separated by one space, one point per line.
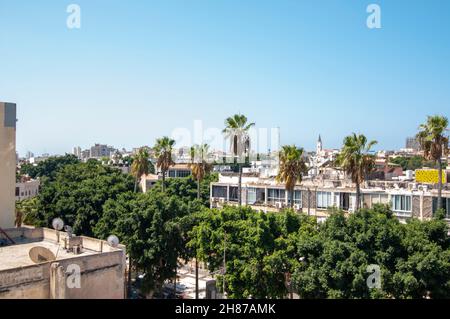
41 254
58 223
113 241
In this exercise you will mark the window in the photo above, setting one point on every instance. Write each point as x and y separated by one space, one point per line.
401 204
324 199
297 197
219 191
276 195
344 199
251 195
445 205
183 173
17 191
234 193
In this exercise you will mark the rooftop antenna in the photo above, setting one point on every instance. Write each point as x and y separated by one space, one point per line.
58 225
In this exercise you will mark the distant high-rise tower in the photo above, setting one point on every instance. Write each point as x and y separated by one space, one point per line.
7 164
319 147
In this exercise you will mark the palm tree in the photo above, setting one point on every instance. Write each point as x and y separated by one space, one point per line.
140 166
199 164
163 152
236 130
200 168
356 161
292 168
434 143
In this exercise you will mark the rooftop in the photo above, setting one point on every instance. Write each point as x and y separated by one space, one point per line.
45 245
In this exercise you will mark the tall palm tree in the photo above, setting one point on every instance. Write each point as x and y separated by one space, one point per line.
140 166
163 152
292 168
434 143
200 168
356 161
236 130
199 164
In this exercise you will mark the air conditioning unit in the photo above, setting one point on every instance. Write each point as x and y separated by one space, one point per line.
222 200
297 206
278 205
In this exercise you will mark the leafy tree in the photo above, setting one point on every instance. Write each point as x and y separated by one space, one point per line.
49 167
413 258
153 227
163 152
434 143
356 161
26 211
77 195
236 130
258 249
292 168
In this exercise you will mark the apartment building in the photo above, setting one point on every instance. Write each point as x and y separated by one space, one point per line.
7 163
26 189
315 196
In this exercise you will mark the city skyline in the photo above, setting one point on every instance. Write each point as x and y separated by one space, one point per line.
135 72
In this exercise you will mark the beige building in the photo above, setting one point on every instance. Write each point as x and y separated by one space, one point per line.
317 196
7 163
27 189
41 263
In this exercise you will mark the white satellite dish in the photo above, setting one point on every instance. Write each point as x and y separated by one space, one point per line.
113 240
58 223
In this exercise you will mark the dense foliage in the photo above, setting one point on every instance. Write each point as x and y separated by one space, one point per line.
77 195
412 163
266 254
48 168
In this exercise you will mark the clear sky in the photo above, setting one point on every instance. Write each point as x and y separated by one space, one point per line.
138 69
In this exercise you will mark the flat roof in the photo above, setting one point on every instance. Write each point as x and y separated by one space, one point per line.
18 255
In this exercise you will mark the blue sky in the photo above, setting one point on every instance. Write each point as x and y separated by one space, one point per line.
138 69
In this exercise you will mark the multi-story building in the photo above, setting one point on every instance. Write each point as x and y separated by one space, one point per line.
77 152
315 196
175 171
101 150
26 189
412 143
7 163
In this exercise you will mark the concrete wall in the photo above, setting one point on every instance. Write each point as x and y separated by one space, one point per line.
30 282
102 277
7 165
